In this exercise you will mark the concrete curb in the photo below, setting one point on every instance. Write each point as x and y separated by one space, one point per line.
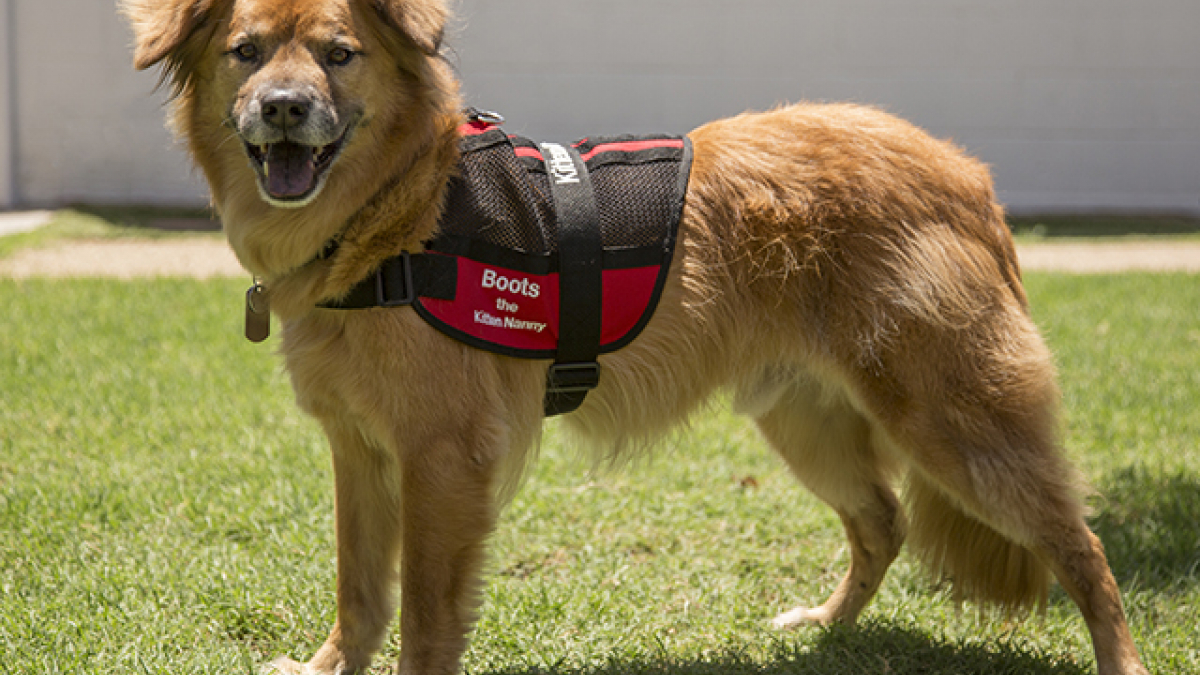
1111 257
16 222
210 256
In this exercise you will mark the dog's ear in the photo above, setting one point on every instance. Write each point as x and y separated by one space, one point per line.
162 28
422 21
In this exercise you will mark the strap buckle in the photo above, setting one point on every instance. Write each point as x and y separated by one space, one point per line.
385 282
568 378
485 116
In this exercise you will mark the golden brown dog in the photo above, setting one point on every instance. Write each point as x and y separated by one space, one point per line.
849 279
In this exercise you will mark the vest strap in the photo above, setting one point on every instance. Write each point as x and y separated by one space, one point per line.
400 280
580 282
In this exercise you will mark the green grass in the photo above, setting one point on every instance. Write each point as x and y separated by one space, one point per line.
164 508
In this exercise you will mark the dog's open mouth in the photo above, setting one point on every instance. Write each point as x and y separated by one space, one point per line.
292 173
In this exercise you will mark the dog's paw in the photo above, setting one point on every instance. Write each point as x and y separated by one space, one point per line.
803 616
284 666
318 666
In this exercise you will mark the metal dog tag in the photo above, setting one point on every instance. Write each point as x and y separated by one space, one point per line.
258 313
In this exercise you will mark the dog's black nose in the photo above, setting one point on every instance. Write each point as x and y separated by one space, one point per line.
285 108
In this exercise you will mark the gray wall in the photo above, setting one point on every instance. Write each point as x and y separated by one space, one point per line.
6 123
1077 104
86 127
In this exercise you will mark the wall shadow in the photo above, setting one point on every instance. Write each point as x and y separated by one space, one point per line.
1103 224
872 648
163 219
1150 526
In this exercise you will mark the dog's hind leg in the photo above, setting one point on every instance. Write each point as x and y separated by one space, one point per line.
828 446
995 533
1077 559
992 501
993 540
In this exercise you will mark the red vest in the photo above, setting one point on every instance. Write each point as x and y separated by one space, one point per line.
499 229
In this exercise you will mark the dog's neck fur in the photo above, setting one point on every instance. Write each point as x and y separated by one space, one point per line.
400 214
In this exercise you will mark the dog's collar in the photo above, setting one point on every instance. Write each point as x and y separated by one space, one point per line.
329 248
258 306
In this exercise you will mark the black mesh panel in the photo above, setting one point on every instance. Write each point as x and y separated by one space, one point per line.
504 199
633 212
494 200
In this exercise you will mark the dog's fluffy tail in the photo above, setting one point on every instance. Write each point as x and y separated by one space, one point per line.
979 563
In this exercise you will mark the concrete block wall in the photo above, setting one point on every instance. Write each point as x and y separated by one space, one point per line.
86 127
1076 104
7 128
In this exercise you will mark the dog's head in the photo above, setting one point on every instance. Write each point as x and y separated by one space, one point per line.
288 86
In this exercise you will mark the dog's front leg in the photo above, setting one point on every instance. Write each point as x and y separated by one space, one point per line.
448 507
368 518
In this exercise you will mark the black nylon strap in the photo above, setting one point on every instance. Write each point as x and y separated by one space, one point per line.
402 279
580 280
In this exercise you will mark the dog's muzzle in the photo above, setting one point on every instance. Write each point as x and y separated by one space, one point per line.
292 142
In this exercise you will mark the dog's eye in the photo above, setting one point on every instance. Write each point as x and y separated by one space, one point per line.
340 56
246 51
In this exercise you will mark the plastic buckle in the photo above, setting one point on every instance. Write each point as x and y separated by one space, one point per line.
485 116
410 292
567 378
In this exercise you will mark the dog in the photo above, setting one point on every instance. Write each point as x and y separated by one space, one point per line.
849 279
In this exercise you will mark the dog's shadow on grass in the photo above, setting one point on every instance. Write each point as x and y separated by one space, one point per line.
1147 521
872 648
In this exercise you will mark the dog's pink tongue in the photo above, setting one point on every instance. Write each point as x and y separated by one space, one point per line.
290 170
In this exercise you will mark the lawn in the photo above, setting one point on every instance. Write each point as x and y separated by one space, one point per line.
165 509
